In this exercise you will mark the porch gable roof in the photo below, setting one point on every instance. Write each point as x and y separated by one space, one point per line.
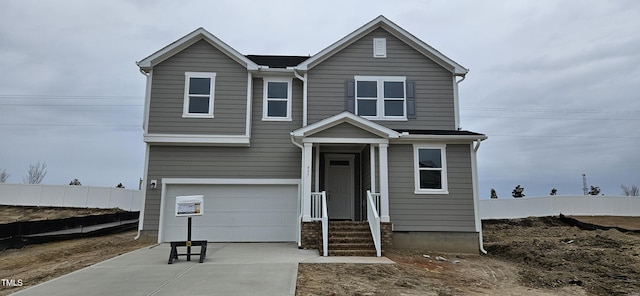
349 118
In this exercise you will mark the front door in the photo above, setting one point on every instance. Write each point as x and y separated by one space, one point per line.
339 186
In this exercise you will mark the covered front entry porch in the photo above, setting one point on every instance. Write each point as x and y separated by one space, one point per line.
344 173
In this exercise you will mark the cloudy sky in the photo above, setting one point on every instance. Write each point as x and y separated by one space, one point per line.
554 84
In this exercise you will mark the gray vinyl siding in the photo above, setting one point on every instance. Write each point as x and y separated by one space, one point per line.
428 212
434 84
344 130
167 93
270 156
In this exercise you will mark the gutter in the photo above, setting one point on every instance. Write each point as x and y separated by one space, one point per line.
476 197
300 193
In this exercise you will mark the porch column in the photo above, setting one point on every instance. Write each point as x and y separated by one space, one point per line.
372 164
384 183
307 154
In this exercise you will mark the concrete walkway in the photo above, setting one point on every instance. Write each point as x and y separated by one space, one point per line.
229 269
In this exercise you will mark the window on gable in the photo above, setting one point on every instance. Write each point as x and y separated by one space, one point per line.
380 97
430 170
198 95
277 100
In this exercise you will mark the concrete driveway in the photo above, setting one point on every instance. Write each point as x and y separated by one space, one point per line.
229 269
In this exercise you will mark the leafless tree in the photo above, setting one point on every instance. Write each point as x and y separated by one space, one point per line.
36 173
4 176
633 191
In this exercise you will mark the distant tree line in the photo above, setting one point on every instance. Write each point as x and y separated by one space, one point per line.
518 191
36 174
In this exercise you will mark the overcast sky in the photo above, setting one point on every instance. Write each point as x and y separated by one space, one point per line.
554 84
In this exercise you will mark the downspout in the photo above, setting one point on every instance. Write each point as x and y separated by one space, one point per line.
300 194
304 95
476 197
147 98
456 103
144 128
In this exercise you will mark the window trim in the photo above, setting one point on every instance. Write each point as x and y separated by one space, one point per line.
265 99
380 99
416 169
185 106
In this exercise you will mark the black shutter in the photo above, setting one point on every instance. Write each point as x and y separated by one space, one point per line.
350 95
411 99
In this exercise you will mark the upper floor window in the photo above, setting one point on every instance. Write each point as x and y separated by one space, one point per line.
381 97
430 169
199 89
277 99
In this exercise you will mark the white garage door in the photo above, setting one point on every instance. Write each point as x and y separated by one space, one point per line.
234 213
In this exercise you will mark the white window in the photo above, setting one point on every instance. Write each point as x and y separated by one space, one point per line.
430 169
381 97
199 88
277 99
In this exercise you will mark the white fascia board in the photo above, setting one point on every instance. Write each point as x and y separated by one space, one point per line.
346 140
204 140
189 39
345 117
395 30
338 45
229 181
273 72
423 47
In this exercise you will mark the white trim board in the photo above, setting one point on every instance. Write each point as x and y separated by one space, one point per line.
230 181
205 140
188 40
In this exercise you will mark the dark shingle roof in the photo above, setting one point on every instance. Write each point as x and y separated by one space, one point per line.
273 61
439 132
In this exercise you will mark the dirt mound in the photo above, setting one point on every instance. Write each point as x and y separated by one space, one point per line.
553 254
10 214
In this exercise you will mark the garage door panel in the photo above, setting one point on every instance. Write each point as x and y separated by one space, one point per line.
241 213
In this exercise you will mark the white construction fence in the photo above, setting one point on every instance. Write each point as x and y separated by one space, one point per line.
580 205
70 196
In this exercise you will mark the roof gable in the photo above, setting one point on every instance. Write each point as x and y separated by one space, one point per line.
199 34
349 118
393 29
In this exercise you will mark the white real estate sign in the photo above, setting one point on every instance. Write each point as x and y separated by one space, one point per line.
192 205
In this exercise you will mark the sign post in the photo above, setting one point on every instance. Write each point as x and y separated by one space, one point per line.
188 206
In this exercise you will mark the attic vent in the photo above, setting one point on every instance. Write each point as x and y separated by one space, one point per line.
379 47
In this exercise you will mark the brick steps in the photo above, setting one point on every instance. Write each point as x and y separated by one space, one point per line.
348 238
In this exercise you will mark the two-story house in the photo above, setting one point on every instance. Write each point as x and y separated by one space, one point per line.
281 146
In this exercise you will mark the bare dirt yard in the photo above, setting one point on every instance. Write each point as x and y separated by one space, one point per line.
532 256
